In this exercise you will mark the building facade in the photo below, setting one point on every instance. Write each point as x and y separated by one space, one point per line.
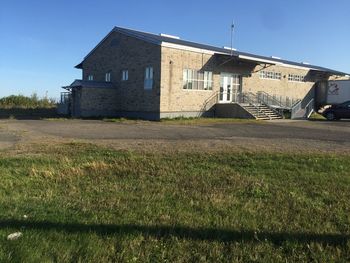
142 75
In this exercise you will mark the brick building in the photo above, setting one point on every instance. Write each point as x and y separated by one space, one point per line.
142 75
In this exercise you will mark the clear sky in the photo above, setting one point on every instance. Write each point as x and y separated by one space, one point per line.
42 40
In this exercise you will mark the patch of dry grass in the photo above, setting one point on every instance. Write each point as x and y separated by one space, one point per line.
91 204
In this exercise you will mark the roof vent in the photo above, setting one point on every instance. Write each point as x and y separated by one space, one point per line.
275 57
169 36
229 48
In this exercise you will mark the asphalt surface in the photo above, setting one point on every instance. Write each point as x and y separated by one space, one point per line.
7 139
276 135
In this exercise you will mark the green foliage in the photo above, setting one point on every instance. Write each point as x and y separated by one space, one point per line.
89 204
24 102
316 116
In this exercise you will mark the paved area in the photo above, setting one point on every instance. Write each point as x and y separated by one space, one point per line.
272 136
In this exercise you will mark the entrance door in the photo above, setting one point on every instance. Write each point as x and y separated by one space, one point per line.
225 88
75 102
230 87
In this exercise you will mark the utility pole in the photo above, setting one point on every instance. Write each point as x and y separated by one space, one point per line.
232 28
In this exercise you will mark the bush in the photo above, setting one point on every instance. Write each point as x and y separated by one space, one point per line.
24 102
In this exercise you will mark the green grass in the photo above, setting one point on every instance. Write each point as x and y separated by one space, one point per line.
90 204
121 120
317 117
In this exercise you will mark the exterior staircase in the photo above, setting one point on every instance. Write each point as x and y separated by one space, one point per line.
260 106
262 112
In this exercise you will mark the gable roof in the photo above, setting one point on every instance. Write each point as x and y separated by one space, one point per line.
176 42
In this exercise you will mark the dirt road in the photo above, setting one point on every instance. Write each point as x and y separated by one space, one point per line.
282 136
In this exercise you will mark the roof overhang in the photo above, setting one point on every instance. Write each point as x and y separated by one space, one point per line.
89 84
79 66
259 60
319 70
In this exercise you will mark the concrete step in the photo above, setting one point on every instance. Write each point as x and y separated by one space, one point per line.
262 119
262 112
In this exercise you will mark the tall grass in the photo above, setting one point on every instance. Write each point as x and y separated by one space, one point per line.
24 102
82 203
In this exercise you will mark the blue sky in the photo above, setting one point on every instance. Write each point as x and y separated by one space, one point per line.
42 40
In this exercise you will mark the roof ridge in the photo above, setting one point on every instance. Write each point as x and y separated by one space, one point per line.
158 35
159 39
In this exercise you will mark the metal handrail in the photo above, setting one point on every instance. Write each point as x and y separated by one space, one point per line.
262 100
246 97
295 109
210 99
65 97
265 97
255 99
277 111
308 109
296 103
285 103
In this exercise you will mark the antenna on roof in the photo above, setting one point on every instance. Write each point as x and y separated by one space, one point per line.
232 29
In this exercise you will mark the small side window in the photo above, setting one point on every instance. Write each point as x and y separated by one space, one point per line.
148 78
91 77
108 77
125 75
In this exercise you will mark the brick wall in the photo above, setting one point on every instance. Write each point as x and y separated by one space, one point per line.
176 99
117 53
173 96
283 87
98 102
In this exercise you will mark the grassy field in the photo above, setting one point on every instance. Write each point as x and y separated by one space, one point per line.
82 203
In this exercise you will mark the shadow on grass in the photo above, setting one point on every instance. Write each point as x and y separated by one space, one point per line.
204 234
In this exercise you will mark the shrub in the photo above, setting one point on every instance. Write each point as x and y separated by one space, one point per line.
32 102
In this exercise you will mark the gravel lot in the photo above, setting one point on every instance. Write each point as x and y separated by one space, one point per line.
281 135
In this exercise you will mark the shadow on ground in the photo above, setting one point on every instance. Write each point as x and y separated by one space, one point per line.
28 114
205 234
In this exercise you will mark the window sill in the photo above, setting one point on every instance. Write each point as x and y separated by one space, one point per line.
271 79
197 90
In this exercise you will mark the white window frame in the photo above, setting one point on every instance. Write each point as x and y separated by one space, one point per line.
197 80
90 77
296 78
108 77
208 80
271 75
125 75
149 75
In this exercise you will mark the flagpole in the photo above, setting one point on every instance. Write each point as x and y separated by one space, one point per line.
232 27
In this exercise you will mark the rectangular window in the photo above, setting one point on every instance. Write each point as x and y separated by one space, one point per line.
270 75
148 78
108 77
296 78
125 75
91 77
197 80
208 80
